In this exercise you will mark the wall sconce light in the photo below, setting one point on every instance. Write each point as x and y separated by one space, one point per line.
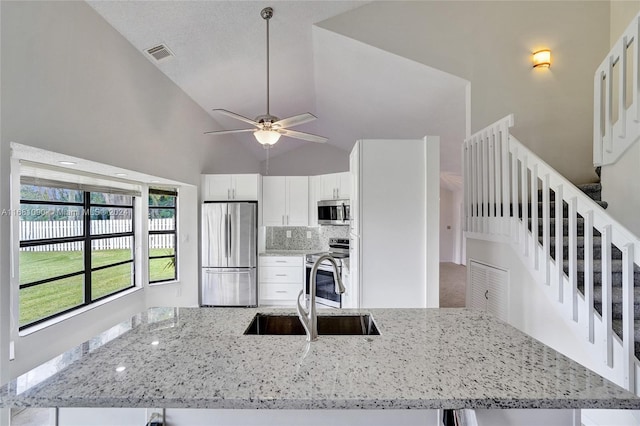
542 59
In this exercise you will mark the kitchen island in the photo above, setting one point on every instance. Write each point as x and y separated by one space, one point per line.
422 359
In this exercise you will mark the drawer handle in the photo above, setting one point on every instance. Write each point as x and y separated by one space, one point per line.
281 261
281 275
281 291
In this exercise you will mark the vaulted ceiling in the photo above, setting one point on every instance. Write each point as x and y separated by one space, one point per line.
356 91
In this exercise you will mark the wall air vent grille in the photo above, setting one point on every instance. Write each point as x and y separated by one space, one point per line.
160 52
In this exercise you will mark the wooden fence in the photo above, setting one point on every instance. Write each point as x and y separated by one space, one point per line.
36 230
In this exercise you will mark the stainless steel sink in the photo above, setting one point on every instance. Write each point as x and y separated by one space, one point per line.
328 325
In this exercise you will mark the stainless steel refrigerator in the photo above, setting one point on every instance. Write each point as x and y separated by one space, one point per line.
229 254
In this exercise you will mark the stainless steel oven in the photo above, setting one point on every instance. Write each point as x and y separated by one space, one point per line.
334 212
326 293
325 285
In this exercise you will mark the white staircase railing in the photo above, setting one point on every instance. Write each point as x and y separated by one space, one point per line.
502 178
616 119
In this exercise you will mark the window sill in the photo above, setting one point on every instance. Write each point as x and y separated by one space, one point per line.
56 320
161 283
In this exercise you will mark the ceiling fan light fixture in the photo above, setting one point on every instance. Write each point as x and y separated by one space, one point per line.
266 137
270 127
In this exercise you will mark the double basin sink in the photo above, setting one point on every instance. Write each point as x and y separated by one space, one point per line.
329 325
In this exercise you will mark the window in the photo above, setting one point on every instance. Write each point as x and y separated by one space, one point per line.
162 235
76 247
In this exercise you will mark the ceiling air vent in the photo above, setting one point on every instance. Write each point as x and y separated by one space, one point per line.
159 52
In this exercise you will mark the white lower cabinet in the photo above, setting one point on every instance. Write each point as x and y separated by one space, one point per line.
80 416
281 279
242 417
192 417
488 289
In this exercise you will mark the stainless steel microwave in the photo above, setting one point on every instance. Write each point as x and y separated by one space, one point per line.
334 212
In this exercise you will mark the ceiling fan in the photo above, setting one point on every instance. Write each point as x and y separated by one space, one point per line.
269 128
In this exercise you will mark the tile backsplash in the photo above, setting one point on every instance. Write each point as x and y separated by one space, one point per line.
276 237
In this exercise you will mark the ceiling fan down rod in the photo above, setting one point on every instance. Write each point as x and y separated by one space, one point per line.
266 14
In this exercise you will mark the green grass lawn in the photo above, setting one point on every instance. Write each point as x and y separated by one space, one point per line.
47 299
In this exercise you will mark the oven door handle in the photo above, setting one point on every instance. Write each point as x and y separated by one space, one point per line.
321 268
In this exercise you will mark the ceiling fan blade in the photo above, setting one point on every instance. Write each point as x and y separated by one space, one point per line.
302 135
296 120
237 117
224 132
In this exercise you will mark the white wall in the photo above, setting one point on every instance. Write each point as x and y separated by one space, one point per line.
490 44
532 312
447 225
459 243
183 292
71 84
399 257
621 180
621 12
621 189
308 160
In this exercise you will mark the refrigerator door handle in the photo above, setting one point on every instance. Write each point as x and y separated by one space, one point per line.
226 235
229 236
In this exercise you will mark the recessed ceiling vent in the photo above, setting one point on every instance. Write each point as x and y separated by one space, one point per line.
159 52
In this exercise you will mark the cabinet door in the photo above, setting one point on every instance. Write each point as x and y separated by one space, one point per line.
314 197
279 294
297 201
273 200
344 185
328 186
353 285
245 187
354 174
282 274
217 187
497 293
489 289
478 287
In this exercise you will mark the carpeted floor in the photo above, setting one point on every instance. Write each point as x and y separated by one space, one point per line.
453 285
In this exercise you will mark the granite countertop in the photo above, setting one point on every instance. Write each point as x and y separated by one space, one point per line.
424 358
287 252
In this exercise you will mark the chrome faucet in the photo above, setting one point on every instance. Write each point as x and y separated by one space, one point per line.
309 319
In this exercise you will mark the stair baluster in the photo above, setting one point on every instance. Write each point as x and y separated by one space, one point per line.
563 235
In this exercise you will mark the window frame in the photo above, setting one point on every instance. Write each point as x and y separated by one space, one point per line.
86 238
174 232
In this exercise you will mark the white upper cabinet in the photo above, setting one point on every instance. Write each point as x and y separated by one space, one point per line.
285 201
344 185
297 200
274 199
244 187
335 186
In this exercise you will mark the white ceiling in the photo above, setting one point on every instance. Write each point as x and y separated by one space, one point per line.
357 91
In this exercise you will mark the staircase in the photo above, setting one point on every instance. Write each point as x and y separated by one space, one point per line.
593 190
585 260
